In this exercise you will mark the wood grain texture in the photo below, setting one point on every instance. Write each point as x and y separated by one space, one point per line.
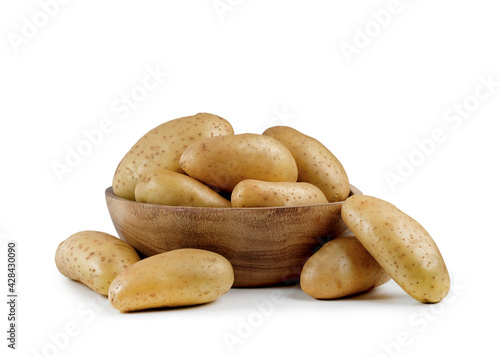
266 246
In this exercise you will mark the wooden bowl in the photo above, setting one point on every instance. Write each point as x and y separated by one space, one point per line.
266 246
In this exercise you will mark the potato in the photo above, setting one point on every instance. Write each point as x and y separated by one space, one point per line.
315 163
223 161
341 267
255 193
162 147
401 246
165 187
179 277
94 259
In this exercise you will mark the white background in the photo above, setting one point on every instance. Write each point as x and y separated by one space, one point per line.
260 64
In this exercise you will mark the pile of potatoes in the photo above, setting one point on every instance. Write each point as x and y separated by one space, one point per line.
198 161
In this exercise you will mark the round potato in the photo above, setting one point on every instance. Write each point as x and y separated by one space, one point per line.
165 187
162 147
179 277
255 193
94 259
340 268
223 161
400 244
315 163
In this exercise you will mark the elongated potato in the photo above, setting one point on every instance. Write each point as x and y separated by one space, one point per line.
255 193
400 244
315 163
176 278
162 147
165 187
340 268
224 161
94 259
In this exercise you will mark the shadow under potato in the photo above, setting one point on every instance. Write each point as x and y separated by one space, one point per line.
379 294
166 308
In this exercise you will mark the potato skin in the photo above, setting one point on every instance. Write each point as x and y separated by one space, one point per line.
165 187
223 161
340 268
94 259
179 277
315 163
162 147
256 193
400 244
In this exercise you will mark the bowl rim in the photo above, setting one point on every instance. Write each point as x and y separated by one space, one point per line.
109 193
